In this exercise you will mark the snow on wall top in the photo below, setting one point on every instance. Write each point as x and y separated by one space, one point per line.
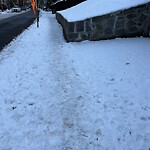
92 8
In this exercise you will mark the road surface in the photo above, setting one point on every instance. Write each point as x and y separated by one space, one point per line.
13 26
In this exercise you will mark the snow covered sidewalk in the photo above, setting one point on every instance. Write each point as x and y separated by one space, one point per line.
82 96
41 95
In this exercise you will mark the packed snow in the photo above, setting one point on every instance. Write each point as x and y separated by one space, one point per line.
81 96
92 8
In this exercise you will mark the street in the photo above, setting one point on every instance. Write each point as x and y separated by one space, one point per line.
12 26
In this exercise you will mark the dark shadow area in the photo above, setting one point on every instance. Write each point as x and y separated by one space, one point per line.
62 5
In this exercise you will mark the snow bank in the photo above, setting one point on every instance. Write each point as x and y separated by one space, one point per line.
91 8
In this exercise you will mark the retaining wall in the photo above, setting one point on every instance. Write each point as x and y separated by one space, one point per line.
131 22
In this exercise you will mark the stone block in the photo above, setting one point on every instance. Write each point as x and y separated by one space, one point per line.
132 29
141 10
146 31
130 11
88 21
120 24
97 19
139 24
100 19
148 6
121 18
108 31
125 12
142 18
119 13
99 27
133 34
65 24
84 36
72 36
130 23
108 36
88 26
96 35
79 26
110 22
132 16
120 32
70 27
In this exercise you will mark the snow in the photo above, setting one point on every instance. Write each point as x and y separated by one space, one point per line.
93 8
81 96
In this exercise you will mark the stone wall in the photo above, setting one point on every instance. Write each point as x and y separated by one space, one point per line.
125 23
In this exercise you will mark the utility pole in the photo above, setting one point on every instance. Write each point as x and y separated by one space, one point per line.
37 14
1 5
